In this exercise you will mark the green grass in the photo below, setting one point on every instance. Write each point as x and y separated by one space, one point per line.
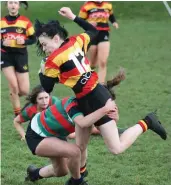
142 46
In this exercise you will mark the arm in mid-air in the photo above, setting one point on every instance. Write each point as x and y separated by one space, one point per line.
90 29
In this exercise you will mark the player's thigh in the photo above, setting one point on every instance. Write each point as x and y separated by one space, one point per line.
21 67
23 82
10 75
109 132
82 136
54 147
92 54
103 51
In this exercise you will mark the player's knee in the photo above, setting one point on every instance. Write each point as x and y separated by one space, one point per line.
102 63
23 92
116 150
76 152
83 147
14 90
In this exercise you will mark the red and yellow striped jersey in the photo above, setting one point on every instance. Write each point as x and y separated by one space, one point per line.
21 27
98 13
70 65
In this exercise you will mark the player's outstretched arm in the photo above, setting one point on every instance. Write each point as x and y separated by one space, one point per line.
19 128
90 29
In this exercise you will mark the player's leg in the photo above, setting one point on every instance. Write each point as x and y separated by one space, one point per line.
103 49
58 168
92 55
22 73
8 68
118 145
82 139
102 57
53 147
23 83
10 75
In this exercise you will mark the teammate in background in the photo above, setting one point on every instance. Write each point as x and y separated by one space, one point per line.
37 101
67 64
99 13
46 137
16 33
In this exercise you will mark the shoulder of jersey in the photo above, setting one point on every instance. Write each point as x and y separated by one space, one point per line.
3 19
23 18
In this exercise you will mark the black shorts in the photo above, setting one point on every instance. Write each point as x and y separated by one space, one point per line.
33 139
18 60
103 36
95 100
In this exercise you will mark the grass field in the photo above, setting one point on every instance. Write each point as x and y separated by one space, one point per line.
142 47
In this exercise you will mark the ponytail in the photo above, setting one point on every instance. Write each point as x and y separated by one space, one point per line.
25 4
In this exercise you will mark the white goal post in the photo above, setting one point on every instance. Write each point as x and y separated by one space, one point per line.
167 7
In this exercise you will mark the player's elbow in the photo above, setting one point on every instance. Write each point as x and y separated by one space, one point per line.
16 122
81 124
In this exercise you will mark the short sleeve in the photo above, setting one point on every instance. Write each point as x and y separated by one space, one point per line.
24 116
71 108
30 29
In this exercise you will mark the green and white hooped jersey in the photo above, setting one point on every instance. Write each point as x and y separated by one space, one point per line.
57 120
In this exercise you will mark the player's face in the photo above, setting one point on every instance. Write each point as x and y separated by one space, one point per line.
13 7
48 45
42 100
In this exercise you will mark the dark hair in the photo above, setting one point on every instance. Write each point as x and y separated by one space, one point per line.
49 29
114 82
25 4
31 98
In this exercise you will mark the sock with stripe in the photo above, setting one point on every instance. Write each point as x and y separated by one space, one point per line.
83 169
17 111
143 124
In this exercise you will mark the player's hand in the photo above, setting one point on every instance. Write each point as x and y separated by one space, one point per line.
23 138
6 42
20 41
66 12
114 114
115 25
110 106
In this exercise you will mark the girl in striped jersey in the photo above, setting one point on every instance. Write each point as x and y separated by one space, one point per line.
37 101
17 33
99 13
46 137
68 65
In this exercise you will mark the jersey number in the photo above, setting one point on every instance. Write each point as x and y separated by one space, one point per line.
80 65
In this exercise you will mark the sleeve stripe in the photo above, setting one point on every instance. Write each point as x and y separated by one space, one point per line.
21 118
75 115
70 106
